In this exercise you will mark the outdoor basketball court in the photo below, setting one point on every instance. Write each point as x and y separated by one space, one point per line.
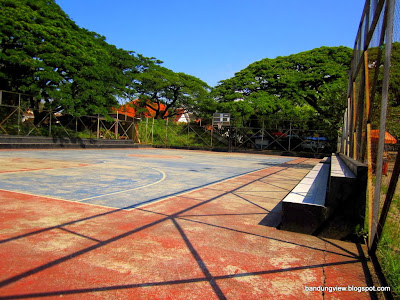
161 224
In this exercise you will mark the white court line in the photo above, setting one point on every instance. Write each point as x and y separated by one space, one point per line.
129 190
45 197
41 170
180 194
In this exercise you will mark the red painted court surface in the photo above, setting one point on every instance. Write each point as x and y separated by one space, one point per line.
198 225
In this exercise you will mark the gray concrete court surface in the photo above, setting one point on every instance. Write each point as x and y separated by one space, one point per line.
162 224
122 178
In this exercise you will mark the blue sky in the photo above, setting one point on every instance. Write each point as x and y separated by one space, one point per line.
213 39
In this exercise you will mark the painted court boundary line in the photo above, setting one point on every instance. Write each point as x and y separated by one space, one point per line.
180 194
139 206
151 201
42 169
55 198
129 190
108 241
177 215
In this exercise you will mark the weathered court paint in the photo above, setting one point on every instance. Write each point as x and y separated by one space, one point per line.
20 164
207 243
120 178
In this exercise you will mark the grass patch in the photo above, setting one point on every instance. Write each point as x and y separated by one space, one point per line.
172 134
388 251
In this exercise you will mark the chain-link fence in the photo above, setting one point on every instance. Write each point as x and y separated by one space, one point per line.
17 117
371 129
286 137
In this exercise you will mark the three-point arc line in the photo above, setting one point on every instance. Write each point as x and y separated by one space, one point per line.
129 190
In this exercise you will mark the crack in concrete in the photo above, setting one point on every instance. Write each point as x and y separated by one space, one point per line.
323 272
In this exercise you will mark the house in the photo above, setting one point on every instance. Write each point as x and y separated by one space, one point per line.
130 110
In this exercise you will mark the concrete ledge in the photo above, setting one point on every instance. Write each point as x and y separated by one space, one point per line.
354 205
303 218
359 169
339 168
312 188
37 142
65 140
341 183
344 205
67 146
303 209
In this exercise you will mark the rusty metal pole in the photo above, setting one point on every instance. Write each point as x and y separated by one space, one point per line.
382 123
19 113
116 126
50 113
386 205
211 136
147 125
262 136
98 126
152 132
349 122
370 187
166 133
290 134
354 156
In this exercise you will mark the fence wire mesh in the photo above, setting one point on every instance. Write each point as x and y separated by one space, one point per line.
17 117
372 127
371 130
286 137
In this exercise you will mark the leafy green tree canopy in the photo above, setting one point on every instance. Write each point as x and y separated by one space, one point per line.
168 93
375 63
45 54
311 85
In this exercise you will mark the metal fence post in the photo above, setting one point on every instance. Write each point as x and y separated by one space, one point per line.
211 136
188 133
152 132
166 132
262 136
354 129
230 139
50 113
98 126
146 131
382 121
116 126
388 201
19 113
290 134
133 125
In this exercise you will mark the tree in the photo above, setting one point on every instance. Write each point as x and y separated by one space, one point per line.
168 93
309 86
45 54
375 63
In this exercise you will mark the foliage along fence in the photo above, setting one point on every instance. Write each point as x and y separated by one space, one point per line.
285 136
17 118
373 111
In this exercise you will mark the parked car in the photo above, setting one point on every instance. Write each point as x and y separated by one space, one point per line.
313 144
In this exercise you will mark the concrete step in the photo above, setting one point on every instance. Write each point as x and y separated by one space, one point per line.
37 142
45 140
66 146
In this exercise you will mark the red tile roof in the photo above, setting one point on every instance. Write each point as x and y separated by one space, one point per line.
129 109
